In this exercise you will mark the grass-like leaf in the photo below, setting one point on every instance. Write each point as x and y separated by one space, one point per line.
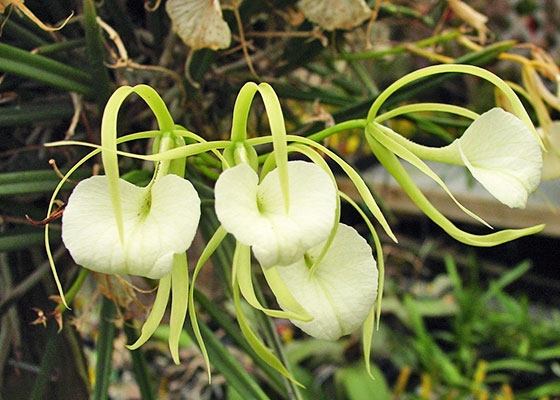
104 350
28 65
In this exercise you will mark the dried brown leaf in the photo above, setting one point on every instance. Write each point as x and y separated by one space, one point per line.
199 23
335 14
21 7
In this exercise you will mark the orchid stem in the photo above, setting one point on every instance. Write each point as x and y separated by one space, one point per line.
269 330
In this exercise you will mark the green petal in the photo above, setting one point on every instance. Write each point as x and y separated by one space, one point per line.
243 277
179 301
156 314
254 341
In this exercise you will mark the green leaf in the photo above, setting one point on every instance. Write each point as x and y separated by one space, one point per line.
547 353
232 330
104 350
13 30
18 239
43 69
515 364
355 383
40 181
548 389
230 369
96 55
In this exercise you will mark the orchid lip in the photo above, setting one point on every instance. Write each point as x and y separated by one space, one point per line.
256 214
159 221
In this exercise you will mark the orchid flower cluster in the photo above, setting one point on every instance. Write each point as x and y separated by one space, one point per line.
283 211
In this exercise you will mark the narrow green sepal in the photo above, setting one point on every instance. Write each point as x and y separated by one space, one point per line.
179 302
156 314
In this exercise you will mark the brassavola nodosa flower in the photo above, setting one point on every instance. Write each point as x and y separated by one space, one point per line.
339 292
501 149
256 214
498 149
115 227
502 154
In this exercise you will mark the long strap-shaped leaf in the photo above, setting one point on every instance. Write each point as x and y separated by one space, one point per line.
104 350
229 368
33 66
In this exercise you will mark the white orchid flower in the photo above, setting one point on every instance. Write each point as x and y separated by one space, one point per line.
499 150
502 150
341 290
159 221
502 154
255 213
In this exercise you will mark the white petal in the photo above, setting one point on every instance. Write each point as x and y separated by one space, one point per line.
256 215
158 222
335 14
341 292
199 23
503 155
236 202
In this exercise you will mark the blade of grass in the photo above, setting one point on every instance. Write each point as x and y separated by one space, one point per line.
104 350
28 65
230 368
542 391
433 356
66 45
139 364
30 113
46 369
515 364
18 239
39 181
96 55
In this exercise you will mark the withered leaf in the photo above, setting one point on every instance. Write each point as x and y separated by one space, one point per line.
21 7
199 23
335 14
